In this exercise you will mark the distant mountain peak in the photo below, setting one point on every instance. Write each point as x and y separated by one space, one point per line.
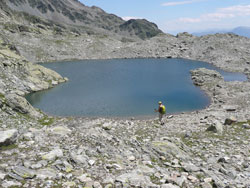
241 31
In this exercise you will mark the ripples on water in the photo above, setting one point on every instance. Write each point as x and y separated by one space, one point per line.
124 87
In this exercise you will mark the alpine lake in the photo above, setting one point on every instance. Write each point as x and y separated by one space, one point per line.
124 88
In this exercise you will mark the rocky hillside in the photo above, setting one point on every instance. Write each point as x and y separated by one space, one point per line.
94 19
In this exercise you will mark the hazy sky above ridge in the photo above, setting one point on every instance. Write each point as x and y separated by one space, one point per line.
181 15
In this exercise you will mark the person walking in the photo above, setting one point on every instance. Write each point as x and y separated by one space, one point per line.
162 112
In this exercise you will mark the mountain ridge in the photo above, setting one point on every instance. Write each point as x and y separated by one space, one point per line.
241 31
74 13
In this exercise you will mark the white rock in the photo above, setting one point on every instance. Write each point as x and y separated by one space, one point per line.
7 184
60 130
131 158
91 162
2 176
52 155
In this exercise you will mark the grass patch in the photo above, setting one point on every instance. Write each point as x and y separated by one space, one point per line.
155 180
9 147
46 121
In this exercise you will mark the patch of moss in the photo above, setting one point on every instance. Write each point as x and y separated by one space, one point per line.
9 147
46 121
155 179
59 42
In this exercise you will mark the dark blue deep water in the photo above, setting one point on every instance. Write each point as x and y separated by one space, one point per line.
124 87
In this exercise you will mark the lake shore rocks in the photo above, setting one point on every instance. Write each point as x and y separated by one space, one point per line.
47 151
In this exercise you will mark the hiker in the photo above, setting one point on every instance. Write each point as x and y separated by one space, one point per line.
162 112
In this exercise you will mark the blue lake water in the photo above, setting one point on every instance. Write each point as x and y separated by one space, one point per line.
124 87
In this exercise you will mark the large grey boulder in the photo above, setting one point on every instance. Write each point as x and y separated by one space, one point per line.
134 179
230 120
20 104
8 137
24 172
216 127
167 148
52 155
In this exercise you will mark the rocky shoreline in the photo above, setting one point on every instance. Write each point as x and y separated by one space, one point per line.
207 148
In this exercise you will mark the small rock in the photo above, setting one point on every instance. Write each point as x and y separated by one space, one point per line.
188 134
107 126
69 184
208 180
8 137
2 176
191 168
97 185
131 158
84 179
246 126
217 127
169 185
192 179
51 156
230 121
36 166
224 160
7 184
245 165
206 185
47 173
15 176
230 108
181 180
54 82
28 136
91 162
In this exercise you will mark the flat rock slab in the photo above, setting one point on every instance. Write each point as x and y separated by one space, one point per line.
24 172
60 130
52 155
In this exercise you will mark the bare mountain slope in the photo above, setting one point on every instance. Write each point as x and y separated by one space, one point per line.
75 13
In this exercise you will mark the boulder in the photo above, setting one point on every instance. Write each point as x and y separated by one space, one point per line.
52 155
246 126
134 178
230 108
60 130
47 173
20 104
169 185
165 148
216 127
230 120
8 137
191 168
23 172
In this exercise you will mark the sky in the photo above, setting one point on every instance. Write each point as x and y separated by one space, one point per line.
181 15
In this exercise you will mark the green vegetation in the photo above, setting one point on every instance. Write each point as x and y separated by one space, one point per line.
9 147
46 120
155 180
